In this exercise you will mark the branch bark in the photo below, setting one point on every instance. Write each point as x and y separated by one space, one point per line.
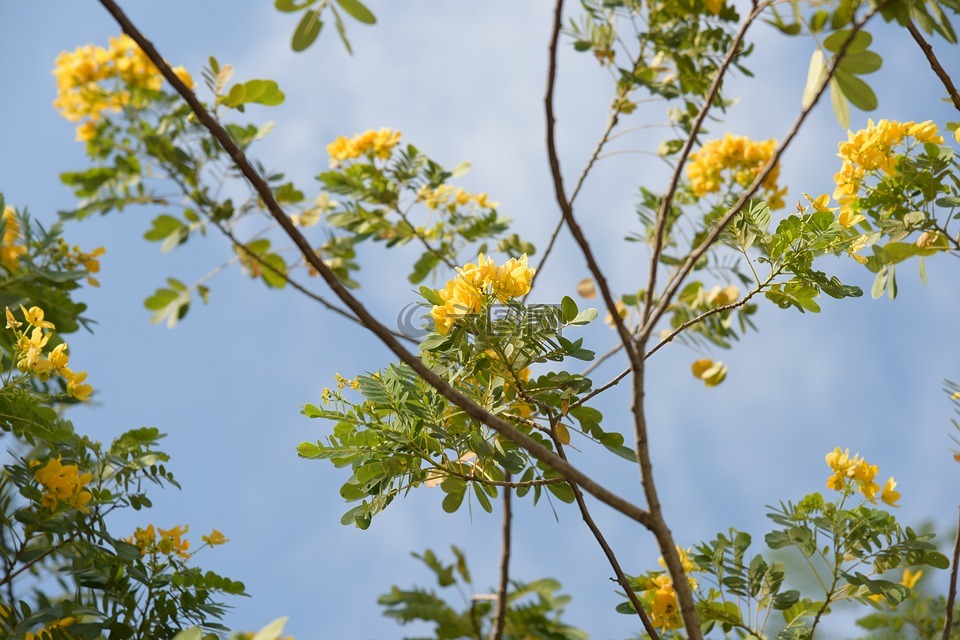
938 69
952 596
501 609
413 361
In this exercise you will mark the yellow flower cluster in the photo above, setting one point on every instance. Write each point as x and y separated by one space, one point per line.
449 198
10 249
169 542
743 158
75 258
46 634
856 474
476 283
63 484
342 382
373 144
31 358
661 597
92 80
872 149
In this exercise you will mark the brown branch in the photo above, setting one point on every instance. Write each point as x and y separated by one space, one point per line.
413 361
682 160
565 206
500 615
938 69
611 123
952 596
607 551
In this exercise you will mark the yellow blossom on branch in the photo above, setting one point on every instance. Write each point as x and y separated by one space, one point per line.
215 538
93 80
10 249
477 283
63 484
872 149
372 144
735 160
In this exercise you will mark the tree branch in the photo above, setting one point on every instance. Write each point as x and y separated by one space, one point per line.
952 596
938 69
561 196
607 551
414 362
500 615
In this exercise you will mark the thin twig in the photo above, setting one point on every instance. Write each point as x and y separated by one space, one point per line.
682 160
607 551
565 207
938 69
952 596
389 340
500 614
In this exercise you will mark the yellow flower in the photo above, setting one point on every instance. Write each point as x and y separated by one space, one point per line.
685 560
215 538
10 251
145 539
872 150
889 496
171 541
12 322
742 159
63 484
34 317
910 578
184 76
622 311
712 373
713 6
374 144
721 296
76 387
513 279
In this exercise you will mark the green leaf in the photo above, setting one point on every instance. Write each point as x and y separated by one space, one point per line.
834 42
307 31
569 309
856 90
272 631
289 6
356 9
585 317
879 284
861 63
265 92
841 108
815 75
193 633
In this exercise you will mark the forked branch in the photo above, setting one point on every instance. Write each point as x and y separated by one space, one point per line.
377 328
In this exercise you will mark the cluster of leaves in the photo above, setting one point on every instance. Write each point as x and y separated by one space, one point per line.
677 50
533 610
908 213
404 434
382 199
311 22
60 566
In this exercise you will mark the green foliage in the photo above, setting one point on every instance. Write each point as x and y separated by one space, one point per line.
62 569
534 610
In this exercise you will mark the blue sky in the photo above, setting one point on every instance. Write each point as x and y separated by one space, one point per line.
464 81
